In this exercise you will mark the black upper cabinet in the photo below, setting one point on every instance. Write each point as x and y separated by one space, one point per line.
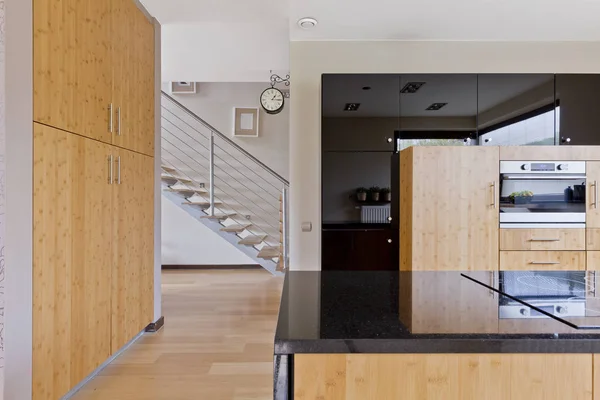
437 109
516 109
579 116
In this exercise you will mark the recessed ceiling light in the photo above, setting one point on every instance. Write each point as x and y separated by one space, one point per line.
435 106
307 23
412 87
366 87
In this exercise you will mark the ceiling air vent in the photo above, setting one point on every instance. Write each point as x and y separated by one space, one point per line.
351 106
435 106
412 87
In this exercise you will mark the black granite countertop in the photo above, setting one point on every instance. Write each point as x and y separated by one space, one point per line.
427 312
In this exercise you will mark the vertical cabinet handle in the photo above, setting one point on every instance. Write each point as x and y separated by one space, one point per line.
110 169
119 121
119 170
110 118
493 186
595 203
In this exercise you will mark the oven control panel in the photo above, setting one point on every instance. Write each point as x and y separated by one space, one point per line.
542 167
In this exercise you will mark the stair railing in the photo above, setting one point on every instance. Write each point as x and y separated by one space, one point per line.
199 149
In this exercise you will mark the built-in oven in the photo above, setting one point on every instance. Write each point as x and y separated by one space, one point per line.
542 194
560 293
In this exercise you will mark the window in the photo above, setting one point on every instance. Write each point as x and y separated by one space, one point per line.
536 130
404 143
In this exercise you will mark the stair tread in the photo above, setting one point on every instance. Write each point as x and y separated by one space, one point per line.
268 252
235 228
252 240
200 202
175 178
185 190
218 216
168 168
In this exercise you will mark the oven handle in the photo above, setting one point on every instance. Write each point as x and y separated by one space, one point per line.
541 177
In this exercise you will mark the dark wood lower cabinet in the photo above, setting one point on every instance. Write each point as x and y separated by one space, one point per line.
360 249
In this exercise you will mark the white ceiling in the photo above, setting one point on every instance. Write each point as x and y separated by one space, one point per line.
465 94
497 20
196 11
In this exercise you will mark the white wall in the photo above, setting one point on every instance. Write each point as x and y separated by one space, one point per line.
186 241
19 198
308 60
214 103
224 52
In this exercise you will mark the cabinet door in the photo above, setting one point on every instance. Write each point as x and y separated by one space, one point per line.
455 217
133 78
72 73
133 265
592 169
72 256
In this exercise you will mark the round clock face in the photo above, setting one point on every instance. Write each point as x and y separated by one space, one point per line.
272 100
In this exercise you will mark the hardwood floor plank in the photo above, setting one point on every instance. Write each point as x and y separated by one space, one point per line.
217 342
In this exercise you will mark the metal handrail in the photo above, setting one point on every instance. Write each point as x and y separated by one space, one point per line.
222 136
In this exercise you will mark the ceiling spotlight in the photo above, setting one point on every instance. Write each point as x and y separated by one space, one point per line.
307 23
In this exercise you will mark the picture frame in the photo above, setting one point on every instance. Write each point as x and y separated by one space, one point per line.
183 87
245 121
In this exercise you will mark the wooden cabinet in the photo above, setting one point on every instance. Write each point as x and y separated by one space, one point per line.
449 303
132 279
592 169
542 239
449 217
444 376
72 207
360 249
542 260
93 252
72 66
94 70
133 78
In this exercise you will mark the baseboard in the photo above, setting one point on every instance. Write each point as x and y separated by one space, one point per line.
203 267
155 326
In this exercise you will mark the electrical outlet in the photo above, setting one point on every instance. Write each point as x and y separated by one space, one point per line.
201 185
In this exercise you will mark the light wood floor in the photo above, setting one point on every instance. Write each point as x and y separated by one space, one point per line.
217 342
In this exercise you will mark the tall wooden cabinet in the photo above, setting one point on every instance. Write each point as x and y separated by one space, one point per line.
95 60
93 202
449 208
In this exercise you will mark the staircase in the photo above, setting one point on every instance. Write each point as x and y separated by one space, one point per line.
223 186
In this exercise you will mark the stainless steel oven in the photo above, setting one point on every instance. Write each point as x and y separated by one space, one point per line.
542 194
560 293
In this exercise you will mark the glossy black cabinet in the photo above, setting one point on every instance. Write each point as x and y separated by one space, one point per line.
578 118
360 250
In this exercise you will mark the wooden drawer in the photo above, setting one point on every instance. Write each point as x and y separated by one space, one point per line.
543 239
592 239
542 260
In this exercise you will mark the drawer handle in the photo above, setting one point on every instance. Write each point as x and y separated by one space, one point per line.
544 262
544 240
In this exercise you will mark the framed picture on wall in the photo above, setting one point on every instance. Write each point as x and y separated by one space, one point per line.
245 122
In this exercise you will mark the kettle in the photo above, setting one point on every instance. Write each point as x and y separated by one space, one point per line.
579 192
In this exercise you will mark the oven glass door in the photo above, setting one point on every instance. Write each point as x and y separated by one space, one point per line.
542 198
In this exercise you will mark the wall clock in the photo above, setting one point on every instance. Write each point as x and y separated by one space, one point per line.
272 100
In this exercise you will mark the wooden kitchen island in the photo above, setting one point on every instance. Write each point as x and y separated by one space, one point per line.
352 335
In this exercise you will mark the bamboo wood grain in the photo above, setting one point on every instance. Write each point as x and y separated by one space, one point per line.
443 376
542 239
592 237
593 261
593 204
543 260
549 153
72 65
133 255
71 308
454 222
